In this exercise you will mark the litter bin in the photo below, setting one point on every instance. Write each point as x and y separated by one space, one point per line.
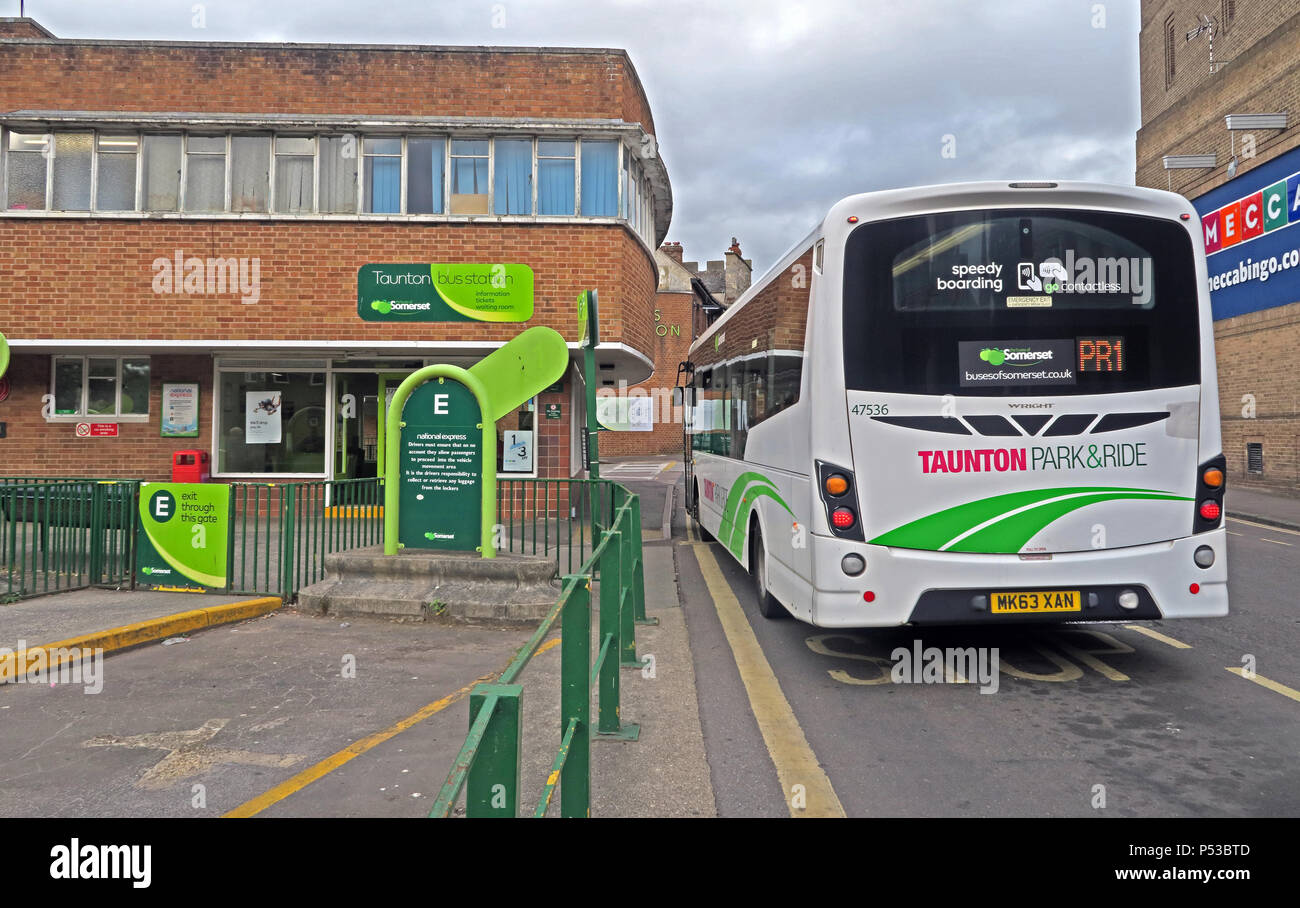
190 466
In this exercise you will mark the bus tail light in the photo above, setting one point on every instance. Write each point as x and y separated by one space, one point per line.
1211 479
839 494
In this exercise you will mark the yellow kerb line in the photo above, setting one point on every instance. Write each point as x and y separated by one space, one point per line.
1263 526
796 764
1265 682
1156 635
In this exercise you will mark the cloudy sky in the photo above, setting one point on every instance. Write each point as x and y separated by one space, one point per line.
767 111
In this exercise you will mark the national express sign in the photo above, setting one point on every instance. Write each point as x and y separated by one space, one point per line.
1252 242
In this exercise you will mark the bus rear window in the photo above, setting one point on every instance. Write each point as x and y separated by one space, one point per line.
1010 302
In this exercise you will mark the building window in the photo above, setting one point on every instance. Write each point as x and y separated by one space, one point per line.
599 179
556 176
338 174
382 175
73 152
1170 44
205 173
426 161
469 176
250 173
513 178
161 173
295 174
101 386
115 176
27 170
271 422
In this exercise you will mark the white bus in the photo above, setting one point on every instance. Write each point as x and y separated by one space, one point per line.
967 403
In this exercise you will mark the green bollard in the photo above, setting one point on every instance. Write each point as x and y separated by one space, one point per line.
492 789
575 698
610 716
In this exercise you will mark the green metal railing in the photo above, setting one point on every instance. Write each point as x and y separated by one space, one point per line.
280 533
66 534
487 768
61 533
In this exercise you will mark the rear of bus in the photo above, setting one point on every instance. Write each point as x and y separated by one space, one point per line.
1031 424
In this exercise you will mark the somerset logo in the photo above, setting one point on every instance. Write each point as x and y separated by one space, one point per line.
1015 356
75 861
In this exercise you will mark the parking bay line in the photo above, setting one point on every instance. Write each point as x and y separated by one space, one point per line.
795 762
357 748
1266 682
1156 635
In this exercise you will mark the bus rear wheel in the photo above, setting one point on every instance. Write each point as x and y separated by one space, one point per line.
768 607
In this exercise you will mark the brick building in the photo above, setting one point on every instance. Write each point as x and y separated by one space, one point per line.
688 299
194 215
1226 134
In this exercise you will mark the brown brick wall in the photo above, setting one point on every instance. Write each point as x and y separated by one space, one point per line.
93 278
1263 45
1257 364
49 74
674 310
33 447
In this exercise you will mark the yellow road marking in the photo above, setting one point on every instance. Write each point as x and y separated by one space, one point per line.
1235 533
1156 635
1265 682
690 530
796 764
1276 541
1264 526
357 748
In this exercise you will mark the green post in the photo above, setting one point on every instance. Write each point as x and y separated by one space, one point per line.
626 601
610 716
638 572
492 788
97 534
575 698
288 537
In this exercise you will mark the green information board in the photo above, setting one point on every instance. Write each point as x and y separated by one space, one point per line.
441 457
183 538
459 292
4 355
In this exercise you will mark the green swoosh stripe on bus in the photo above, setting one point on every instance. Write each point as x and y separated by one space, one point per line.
746 490
1013 519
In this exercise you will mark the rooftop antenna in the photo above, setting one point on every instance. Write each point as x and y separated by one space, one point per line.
1207 26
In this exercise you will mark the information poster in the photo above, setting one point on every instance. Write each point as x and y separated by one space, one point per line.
440 469
183 537
180 409
262 418
517 456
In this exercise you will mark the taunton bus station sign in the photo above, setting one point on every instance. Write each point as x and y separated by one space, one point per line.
1252 238
459 292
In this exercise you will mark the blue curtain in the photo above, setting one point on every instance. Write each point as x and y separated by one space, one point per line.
513 190
554 186
385 185
599 179
439 166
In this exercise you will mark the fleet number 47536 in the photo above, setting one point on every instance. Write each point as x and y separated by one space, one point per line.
869 409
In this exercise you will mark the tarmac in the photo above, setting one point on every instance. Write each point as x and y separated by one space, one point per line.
384 737
664 773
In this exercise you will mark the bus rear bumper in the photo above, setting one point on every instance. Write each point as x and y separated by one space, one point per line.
910 586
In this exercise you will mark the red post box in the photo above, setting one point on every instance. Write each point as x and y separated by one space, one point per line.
190 466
